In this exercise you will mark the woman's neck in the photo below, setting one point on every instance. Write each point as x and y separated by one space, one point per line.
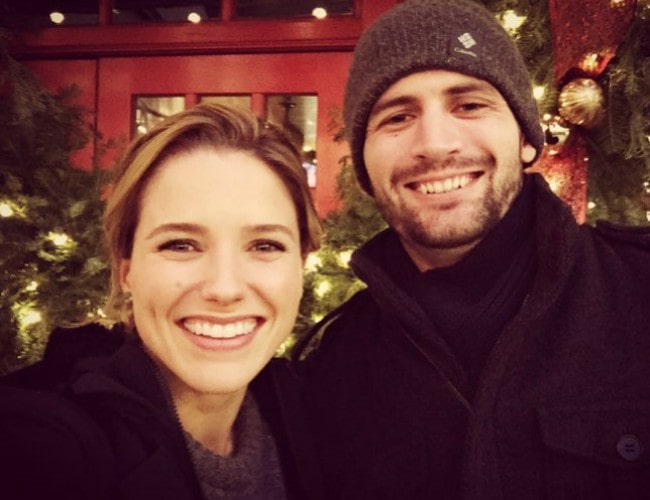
208 418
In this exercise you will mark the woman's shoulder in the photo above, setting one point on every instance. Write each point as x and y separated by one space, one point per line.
50 444
65 347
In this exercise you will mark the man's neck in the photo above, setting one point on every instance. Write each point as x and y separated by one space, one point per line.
426 259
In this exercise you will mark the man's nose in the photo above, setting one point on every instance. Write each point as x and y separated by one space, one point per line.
437 134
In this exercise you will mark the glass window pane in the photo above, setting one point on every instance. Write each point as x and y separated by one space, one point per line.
153 109
48 13
235 101
163 11
291 8
297 114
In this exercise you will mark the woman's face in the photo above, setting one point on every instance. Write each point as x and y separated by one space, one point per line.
216 269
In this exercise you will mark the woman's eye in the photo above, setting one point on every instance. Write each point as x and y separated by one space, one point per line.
268 246
178 246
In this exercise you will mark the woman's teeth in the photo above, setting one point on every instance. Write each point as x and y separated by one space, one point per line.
220 331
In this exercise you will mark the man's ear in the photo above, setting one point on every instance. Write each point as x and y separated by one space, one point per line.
124 270
528 152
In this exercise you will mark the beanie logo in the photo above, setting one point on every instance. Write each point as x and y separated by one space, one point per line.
468 42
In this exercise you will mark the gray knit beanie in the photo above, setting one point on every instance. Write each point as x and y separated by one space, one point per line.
456 35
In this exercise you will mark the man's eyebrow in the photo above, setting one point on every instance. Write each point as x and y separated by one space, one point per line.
466 88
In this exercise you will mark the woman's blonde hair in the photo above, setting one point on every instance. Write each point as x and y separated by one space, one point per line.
203 126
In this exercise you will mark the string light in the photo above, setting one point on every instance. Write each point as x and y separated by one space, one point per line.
313 262
26 315
322 288
539 91
512 21
319 13
60 239
194 17
344 257
57 17
6 210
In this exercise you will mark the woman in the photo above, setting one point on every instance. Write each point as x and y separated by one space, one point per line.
207 229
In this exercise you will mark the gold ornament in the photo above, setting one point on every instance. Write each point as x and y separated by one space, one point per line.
581 102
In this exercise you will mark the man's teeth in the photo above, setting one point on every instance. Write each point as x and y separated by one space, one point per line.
449 184
218 331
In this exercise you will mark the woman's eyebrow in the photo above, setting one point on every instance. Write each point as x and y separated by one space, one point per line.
185 227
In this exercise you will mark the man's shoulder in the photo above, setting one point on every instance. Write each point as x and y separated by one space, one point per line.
637 236
624 239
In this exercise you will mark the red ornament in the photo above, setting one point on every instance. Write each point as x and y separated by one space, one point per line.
587 33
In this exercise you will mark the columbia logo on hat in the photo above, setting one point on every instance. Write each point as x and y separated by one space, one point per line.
467 40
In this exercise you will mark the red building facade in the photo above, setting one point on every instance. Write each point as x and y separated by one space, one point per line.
115 64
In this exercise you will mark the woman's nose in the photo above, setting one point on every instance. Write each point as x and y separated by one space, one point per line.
223 278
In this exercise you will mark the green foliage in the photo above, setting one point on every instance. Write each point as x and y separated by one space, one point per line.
50 226
329 281
619 150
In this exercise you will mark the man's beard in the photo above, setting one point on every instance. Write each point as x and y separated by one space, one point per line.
472 227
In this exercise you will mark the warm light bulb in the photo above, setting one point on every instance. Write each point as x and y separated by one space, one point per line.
6 210
539 91
59 239
57 17
193 17
512 21
313 262
319 13
322 288
344 258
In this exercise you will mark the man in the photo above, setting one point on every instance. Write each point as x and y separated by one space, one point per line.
500 350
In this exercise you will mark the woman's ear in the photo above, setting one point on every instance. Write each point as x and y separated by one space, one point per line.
124 270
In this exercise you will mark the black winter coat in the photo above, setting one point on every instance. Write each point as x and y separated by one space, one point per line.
562 408
100 427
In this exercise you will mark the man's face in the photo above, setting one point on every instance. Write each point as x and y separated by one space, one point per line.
443 153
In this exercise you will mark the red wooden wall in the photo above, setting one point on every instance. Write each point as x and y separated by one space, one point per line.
111 64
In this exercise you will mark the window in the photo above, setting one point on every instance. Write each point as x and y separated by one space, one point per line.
163 11
297 114
151 110
48 13
235 101
290 8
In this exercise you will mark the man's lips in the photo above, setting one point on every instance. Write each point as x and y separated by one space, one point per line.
443 185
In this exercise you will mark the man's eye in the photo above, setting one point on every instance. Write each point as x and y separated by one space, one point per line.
395 119
471 106
178 246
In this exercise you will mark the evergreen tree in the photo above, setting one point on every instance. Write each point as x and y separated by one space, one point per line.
50 216
51 268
